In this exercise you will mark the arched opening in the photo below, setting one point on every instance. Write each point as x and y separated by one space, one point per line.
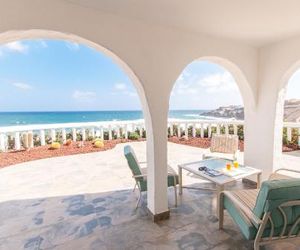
287 121
89 183
207 101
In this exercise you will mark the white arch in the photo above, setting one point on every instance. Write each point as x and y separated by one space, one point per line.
14 35
240 79
281 94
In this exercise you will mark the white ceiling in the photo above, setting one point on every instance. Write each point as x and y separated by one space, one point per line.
256 22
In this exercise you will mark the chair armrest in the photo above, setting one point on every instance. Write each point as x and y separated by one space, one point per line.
139 176
287 169
243 208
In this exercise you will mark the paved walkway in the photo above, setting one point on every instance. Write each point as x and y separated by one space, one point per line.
86 202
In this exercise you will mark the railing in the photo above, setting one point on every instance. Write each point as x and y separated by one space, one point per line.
40 134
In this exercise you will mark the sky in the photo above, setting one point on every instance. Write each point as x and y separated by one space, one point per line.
56 75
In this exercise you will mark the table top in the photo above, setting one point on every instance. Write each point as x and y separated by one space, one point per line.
220 165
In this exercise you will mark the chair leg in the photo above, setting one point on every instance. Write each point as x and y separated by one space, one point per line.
134 187
139 199
175 191
221 211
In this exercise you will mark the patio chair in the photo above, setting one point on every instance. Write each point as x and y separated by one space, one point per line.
140 174
223 146
267 215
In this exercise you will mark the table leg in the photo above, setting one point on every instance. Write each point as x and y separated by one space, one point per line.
180 179
258 180
220 189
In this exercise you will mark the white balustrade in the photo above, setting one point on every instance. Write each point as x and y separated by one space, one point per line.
186 131
83 134
202 130
126 131
74 134
194 130
289 133
209 130
171 125
17 141
109 133
42 137
235 129
178 130
64 135
218 129
53 135
226 129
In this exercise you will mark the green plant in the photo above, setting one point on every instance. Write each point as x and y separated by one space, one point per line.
133 136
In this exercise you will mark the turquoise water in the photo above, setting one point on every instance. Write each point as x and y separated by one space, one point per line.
25 118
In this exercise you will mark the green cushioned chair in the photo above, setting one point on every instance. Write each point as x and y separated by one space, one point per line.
268 214
140 174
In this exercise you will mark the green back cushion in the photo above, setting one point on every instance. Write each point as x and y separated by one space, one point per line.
131 160
275 192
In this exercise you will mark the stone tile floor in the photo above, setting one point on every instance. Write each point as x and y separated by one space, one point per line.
86 202
108 220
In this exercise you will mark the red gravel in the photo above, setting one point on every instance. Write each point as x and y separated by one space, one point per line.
41 152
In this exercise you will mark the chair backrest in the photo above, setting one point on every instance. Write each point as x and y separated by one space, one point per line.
131 160
227 144
273 197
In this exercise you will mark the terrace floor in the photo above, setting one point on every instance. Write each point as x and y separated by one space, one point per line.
86 202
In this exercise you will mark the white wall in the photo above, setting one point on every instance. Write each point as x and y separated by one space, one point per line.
154 57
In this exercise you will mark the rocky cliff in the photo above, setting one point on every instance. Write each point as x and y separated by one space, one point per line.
291 111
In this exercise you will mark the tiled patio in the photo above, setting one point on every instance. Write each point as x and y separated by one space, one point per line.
86 202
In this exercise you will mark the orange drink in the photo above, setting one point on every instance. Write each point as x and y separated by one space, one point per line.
228 166
235 164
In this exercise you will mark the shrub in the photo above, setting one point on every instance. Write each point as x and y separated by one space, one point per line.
133 136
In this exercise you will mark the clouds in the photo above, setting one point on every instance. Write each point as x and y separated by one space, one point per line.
22 86
193 84
72 46
123 89
15 47
84 96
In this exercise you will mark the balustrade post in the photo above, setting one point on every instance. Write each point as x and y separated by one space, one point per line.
186 131
235 129
289 133
218 129
30 139
298 133
42 137
17 141
2 142
118 132
102 133
109 133
226 129
194 130
74 134
178 130
64 135
209 130
83 134
126 131
53 135
202 130
171 129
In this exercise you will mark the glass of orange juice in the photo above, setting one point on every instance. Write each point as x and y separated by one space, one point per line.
235 164
228 166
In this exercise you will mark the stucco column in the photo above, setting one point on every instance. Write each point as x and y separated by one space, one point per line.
157 158
261 151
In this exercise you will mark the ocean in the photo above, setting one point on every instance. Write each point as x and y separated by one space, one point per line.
27 118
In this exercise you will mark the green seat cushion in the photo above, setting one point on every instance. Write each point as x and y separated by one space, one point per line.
248 229
275 192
